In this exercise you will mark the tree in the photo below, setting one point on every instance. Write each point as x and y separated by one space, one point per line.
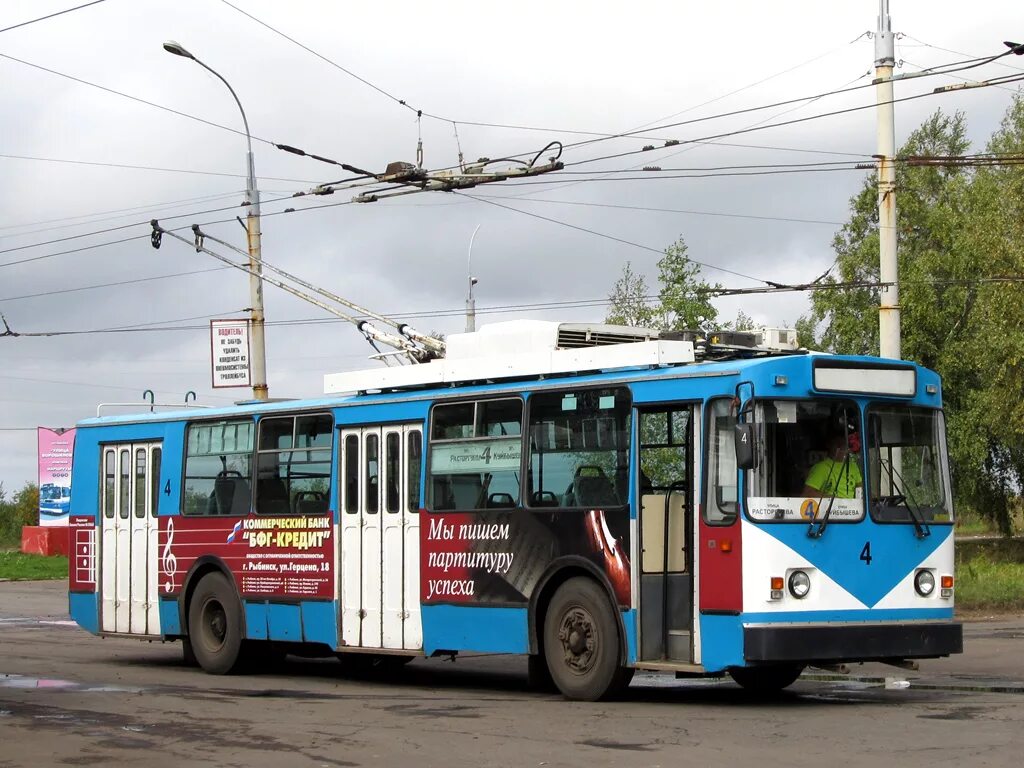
630 300
683 301
955 225
21 510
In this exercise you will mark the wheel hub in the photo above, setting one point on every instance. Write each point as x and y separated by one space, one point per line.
216 624
577 634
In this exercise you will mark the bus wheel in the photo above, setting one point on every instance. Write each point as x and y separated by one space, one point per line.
766 680
215 625
581 642
188 656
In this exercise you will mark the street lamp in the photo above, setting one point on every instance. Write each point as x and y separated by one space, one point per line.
252 226
470 301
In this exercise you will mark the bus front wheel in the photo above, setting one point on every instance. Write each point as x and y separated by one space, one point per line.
215 625
765 680
581 642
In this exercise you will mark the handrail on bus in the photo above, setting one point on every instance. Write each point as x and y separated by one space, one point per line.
147 404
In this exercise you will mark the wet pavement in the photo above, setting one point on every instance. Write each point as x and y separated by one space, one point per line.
68 698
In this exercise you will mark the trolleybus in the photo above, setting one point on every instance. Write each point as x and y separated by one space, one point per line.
601 499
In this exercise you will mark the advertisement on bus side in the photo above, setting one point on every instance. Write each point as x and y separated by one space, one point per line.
500 557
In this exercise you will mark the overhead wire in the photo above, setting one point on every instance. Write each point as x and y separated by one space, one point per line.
553 306
155 168
115 284
51 15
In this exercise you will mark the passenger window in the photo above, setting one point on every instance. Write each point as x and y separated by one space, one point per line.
141 486
394 474
413 465
109 482
218 468
475 455
720 503
579 448
126 485
294 465
372 465
351 474
154 482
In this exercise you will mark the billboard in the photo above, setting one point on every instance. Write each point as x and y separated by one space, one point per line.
56 448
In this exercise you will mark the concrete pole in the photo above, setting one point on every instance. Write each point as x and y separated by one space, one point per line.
257 340
889 308
258 347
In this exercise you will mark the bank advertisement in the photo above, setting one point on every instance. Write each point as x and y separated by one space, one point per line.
56 448
270 557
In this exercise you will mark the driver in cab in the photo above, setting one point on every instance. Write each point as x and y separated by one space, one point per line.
838 474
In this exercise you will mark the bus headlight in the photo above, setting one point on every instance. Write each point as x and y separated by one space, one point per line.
799 584
924 582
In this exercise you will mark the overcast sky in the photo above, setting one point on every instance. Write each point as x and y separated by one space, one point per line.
564 67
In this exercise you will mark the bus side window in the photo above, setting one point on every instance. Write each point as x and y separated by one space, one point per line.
218 468
413 465
720 503
351 480
109 478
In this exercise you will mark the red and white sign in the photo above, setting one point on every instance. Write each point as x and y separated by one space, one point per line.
229 351
276 557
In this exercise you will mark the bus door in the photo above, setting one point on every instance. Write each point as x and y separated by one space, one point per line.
129 551
380 468
668 497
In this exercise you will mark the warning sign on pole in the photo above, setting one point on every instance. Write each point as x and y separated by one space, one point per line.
229 345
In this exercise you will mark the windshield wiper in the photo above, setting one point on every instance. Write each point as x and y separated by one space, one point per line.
921 527
816 533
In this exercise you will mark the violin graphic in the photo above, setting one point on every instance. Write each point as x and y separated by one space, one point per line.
616 561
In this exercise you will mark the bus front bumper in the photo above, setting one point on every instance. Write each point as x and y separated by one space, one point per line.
851 642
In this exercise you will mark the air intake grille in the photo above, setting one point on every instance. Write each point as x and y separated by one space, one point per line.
571 336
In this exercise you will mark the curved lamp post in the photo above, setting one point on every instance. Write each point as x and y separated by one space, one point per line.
252 226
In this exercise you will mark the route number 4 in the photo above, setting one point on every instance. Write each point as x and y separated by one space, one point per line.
865 554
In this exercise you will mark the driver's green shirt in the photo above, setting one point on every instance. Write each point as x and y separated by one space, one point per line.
836 478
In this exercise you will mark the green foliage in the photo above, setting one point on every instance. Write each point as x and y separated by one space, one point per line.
986 583
21 510
683 301
20 567
956 224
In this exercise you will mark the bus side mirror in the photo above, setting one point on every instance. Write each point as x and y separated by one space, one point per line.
744 439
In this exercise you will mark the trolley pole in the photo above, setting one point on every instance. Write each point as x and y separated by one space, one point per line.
258 345
889 306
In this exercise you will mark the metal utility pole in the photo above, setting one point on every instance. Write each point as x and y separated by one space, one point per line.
470 301
258 351
889 307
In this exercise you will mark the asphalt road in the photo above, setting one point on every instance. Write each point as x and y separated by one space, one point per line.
68 698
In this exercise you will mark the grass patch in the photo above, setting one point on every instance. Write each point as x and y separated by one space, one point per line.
984 583
21 567
969 524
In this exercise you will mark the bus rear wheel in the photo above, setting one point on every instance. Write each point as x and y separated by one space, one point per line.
581 642
766 680
215 625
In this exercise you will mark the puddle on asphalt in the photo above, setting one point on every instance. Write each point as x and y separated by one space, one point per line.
48 683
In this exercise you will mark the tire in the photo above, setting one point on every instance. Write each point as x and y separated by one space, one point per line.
765 681
581 642
188 656
215 625
538 676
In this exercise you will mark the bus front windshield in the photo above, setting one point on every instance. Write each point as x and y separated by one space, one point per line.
808 463
908 466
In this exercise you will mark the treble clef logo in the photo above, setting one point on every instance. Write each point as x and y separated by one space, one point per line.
168 561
